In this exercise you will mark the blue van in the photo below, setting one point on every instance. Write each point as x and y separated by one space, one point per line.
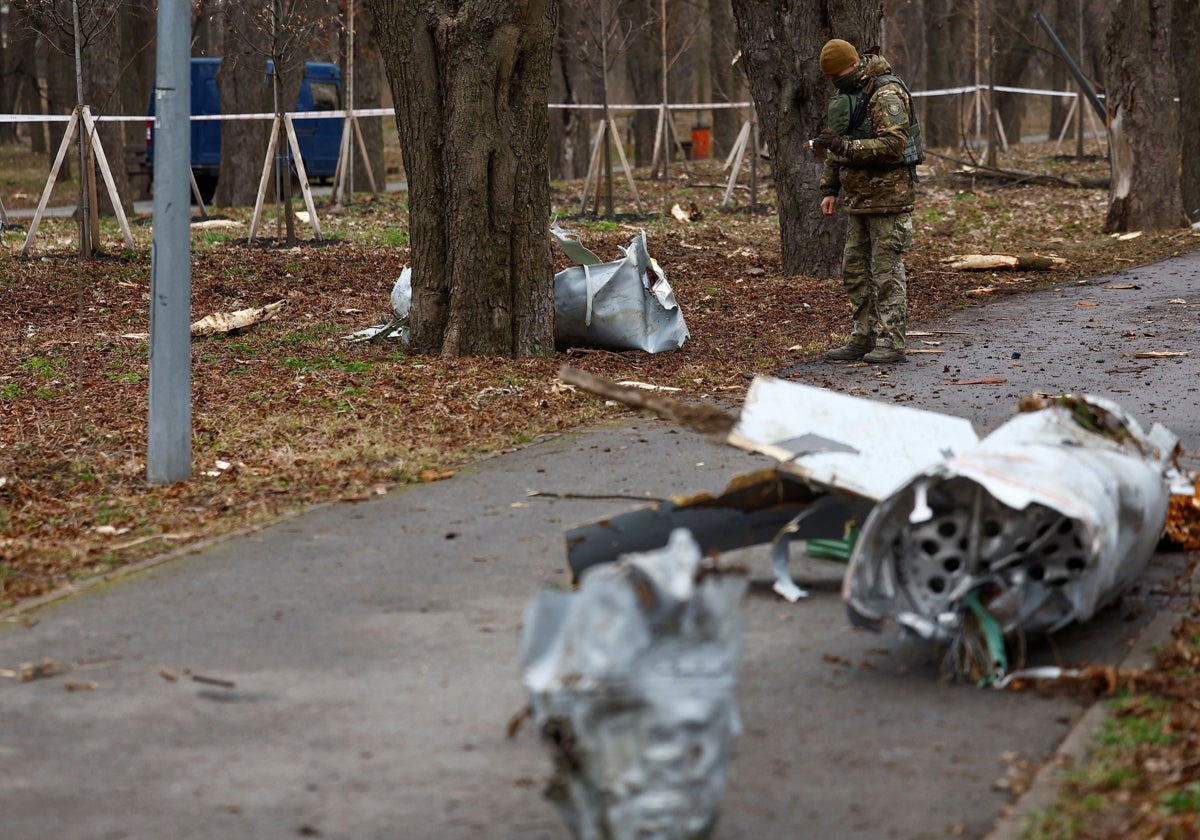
319 139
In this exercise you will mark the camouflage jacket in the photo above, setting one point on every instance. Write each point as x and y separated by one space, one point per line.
870 177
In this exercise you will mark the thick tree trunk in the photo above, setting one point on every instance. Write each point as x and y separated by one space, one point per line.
1066 26
780 49
469 79
1185 42
1143 121
1013 30
570 133
946 33
643 60
242 80
101 87
728 81
368 93
19 80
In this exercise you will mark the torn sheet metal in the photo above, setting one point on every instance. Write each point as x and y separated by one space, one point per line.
626 304
963 541
401 299
836 440
1047 520
631 681
767 506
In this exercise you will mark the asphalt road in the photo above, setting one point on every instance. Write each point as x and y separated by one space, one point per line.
365 654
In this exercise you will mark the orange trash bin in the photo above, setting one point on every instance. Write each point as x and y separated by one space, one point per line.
701 142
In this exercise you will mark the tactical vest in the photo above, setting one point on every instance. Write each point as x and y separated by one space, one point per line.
847 115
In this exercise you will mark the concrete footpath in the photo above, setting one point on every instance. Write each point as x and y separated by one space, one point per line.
360 660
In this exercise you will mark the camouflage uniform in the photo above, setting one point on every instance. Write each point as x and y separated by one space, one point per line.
876 189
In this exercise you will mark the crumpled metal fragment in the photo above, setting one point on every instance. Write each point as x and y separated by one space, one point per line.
1046 521
626 304
631 682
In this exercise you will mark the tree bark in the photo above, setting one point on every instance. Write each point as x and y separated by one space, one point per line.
241 79
60 99
643 60
469 79
19 80
1012 28
101 86
728 81
780 47
1143 122
1185 41
945 68
570 134
368 93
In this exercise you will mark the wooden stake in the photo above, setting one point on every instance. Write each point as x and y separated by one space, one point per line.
625 163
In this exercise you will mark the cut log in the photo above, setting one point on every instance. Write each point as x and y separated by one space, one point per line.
1017 262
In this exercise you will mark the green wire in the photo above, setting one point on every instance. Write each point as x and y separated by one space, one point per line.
991 635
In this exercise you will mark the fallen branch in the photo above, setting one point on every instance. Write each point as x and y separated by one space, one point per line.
1016 176
704 418
1019 262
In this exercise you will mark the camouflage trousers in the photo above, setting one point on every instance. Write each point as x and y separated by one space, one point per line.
873 276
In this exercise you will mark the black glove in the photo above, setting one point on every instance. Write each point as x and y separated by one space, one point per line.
830 142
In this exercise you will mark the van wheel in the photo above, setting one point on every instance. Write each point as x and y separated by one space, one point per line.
208 187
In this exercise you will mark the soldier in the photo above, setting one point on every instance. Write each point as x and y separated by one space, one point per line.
867 149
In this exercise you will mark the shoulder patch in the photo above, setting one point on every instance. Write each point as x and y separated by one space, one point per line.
894 108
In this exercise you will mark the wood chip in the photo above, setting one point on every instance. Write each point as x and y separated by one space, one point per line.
987 380
1161 354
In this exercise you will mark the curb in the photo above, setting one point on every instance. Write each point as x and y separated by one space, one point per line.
1075 746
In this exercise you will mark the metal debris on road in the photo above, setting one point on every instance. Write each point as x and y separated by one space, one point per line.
964 542
631 682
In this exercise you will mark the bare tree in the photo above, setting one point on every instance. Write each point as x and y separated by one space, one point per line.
946 67
1011 31
86 30
728 81
368 93
780 48
241 79
570 79
1185 42
473 135
642 50
18 72
1143 122
283 32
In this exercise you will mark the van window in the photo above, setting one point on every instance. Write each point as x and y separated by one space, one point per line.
325 96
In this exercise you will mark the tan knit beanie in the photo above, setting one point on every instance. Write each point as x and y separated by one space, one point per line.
837 56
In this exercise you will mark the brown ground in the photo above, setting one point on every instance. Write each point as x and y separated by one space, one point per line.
287 414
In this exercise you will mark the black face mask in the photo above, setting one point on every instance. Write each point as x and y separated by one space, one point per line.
852 81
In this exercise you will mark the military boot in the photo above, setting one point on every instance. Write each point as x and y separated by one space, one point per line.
850 352
883 355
